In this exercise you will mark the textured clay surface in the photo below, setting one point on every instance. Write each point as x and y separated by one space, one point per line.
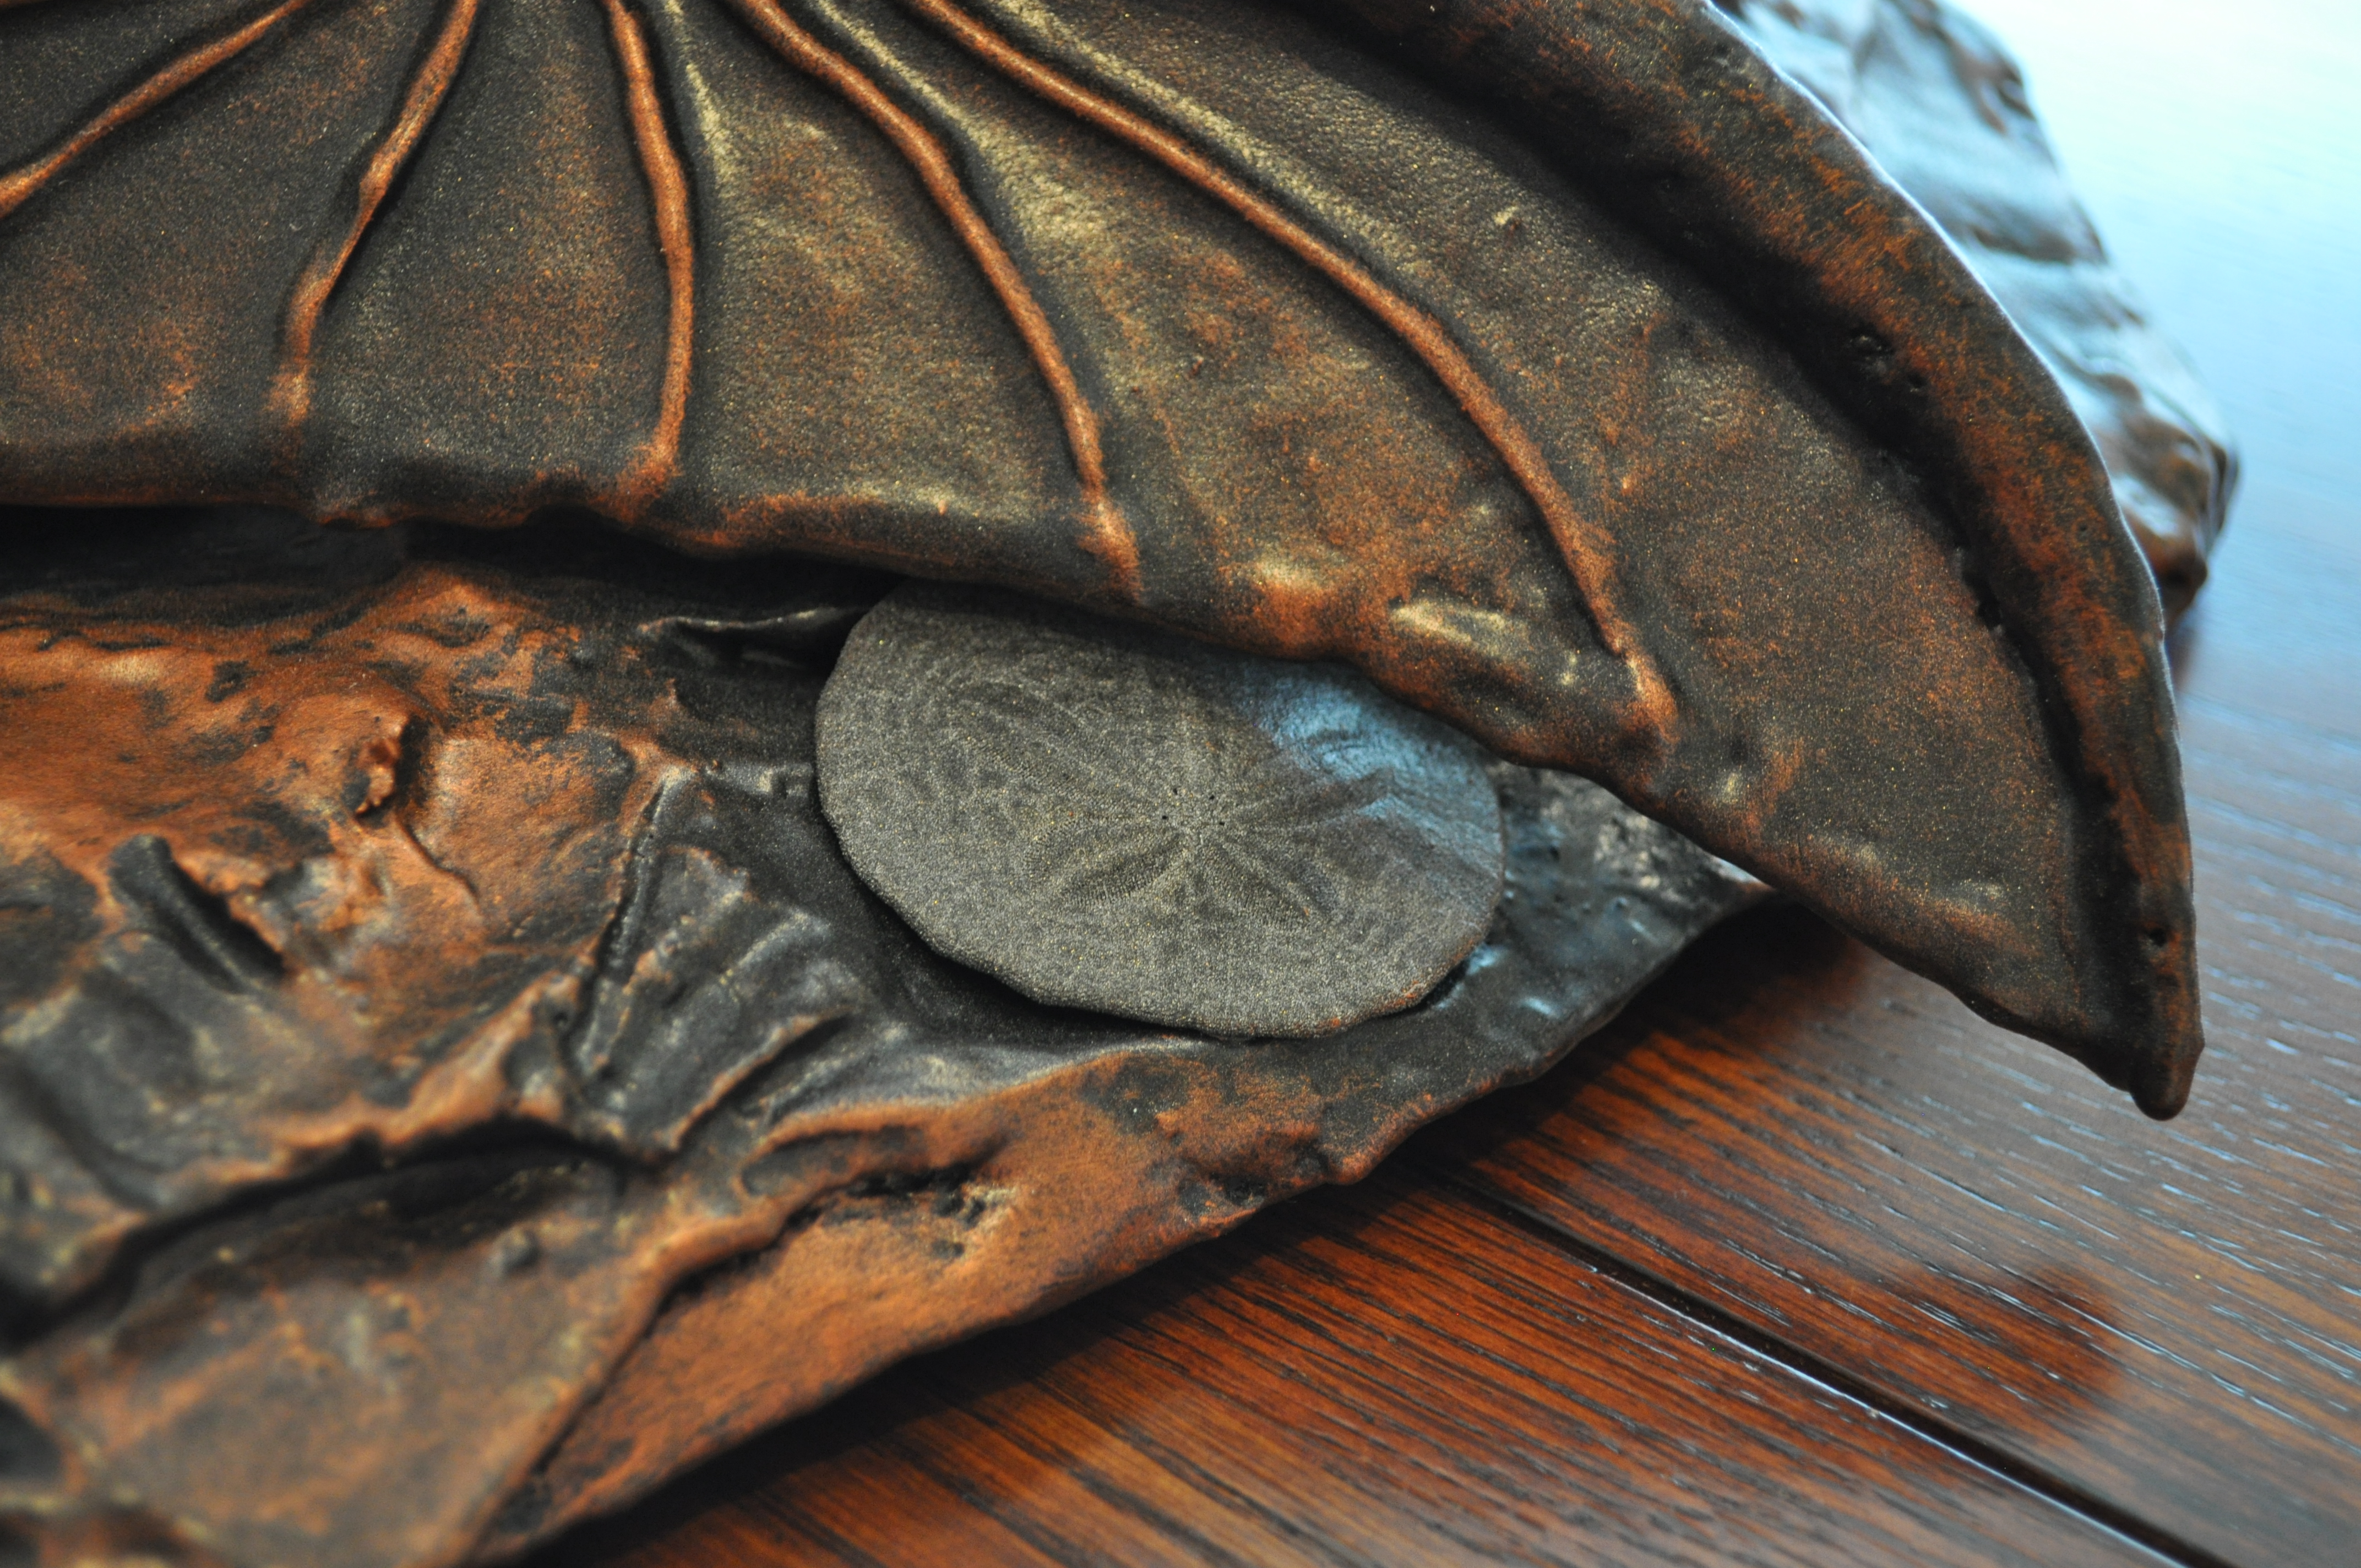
443 1047
1559 364
1109 817
1943 109
444 1041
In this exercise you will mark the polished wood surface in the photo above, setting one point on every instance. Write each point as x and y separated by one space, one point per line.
1798 1262
1390 1374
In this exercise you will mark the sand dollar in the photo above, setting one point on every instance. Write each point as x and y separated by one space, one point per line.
1105 815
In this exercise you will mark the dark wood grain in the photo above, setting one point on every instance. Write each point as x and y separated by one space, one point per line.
2168 1317
1382 1375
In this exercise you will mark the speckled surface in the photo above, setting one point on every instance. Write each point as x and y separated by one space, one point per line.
1113 817
444 1033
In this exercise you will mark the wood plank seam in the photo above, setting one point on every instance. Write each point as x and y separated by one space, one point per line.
1962 1445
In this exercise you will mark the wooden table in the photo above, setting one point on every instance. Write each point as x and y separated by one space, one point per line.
1798 1262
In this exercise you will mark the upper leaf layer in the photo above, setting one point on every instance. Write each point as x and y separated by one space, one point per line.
1560 365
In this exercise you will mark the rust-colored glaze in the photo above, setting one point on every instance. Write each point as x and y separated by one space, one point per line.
446 1048
292 392
1593 374
433 979
1106 535
959 1243
668 192
1587 555
314 818
18 185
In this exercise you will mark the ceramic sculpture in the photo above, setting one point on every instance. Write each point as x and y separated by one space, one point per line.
539 944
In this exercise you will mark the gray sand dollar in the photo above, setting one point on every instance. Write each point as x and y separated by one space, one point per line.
1106 816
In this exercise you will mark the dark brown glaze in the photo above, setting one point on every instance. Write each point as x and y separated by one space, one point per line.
1106 533
1943 108
1563 367
1785 1144
1778 206
668 197
1589 557
20 184
440 1021
332 873
423 97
